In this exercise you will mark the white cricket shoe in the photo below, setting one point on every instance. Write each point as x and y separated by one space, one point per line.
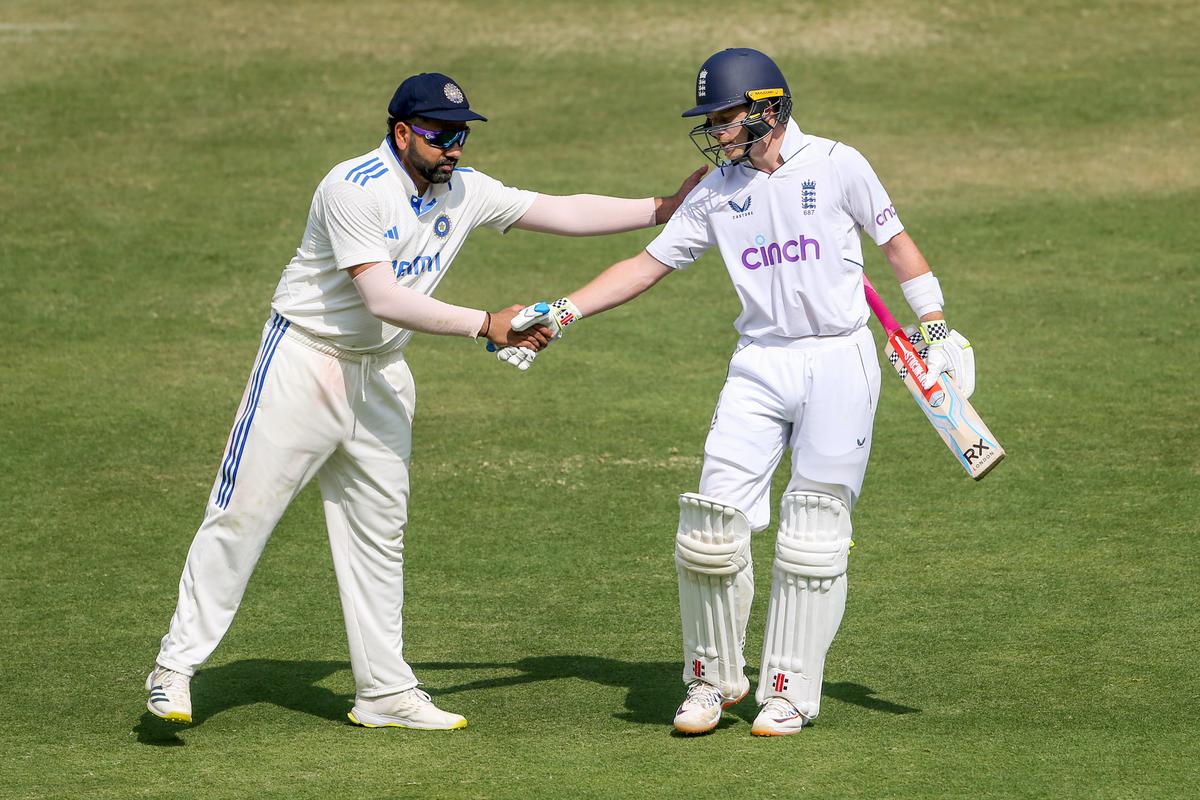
170 695
778 718
701 710
411 708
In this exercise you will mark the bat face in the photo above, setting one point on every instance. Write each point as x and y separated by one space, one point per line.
948 411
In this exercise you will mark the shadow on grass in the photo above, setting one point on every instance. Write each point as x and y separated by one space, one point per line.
654 687
288 684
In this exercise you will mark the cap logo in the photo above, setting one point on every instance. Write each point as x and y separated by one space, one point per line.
702 83
453 93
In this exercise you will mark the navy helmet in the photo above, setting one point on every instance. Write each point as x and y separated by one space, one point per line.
735 77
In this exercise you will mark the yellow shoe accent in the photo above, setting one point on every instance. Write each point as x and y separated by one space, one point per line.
350 715
178 717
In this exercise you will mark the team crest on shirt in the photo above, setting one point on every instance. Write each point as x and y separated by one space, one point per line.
741 210
808 197
441 227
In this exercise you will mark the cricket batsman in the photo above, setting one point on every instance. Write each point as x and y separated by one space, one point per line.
785 210
330 394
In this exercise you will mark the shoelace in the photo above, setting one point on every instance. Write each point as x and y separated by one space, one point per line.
780 708
169 679
416 697
703 694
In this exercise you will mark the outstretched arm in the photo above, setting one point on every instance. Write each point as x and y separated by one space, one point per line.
591 214
408 308
619 284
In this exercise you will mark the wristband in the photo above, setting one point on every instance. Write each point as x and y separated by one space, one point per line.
934 331
924 294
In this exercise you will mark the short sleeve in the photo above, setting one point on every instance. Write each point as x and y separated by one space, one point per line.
353 224
499 206
866 199
686 235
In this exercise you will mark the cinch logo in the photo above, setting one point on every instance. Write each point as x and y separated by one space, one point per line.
885 215
768 255
418 265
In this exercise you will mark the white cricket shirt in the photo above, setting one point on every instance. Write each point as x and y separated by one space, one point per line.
790 239
366 210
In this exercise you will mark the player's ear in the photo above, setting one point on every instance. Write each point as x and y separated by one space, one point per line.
400 133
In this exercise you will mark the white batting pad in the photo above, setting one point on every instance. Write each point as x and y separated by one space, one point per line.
716 586
808 597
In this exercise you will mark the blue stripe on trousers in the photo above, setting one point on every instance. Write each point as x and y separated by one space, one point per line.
227 465
234 458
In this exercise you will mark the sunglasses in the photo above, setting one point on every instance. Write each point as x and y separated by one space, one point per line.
443 140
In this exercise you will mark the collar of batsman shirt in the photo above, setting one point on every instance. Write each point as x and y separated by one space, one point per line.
790 240
366 210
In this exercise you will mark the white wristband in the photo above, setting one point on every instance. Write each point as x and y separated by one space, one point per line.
924 294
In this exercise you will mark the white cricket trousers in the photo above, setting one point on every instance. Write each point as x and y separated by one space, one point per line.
310 409
816 396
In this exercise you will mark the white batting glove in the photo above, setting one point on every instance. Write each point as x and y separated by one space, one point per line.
519 357
557 316
948 351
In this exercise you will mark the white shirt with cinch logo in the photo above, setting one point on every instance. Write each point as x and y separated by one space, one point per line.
790 239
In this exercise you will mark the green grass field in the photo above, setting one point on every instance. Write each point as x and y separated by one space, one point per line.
1033 635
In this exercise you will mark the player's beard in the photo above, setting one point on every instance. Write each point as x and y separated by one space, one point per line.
433 171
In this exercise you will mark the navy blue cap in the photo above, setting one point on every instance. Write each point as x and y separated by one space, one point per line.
432 95
727 77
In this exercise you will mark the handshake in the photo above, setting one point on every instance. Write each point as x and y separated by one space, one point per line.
532 328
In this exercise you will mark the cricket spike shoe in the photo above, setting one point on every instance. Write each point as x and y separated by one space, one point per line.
170 695
778 717
701 710
411 708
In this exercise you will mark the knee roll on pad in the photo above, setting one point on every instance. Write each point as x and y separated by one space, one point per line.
814 536
808 597
716 585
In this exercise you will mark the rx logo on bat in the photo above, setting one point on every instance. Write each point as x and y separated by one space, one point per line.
975 451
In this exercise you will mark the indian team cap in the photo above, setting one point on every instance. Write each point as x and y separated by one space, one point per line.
434 96
736 76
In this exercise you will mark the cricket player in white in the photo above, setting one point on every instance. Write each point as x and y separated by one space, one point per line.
330 393
785 210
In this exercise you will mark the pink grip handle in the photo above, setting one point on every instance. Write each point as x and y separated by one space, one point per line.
881 312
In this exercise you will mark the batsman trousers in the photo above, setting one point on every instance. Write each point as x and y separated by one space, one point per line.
815 396
310 409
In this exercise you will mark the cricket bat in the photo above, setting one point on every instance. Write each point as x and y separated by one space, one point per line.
948 411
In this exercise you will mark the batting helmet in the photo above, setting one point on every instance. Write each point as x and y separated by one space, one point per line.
734 77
